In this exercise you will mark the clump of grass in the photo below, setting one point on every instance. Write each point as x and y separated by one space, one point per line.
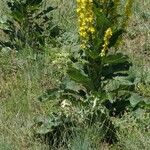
23 77
133 133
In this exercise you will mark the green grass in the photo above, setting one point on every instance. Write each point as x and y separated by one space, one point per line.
24 76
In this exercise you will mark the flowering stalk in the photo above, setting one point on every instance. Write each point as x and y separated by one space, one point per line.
127 12
86 20
107 36
116 4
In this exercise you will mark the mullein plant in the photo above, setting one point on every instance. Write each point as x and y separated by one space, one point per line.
100 28
97 86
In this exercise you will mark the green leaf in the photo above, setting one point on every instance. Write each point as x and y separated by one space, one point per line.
18 17
110 71
139 113
138 101
115 37
92 54
102 21
79 77
45 124
49 94
33 2
100 95
144 104
125 84
135 99
115 58
18 10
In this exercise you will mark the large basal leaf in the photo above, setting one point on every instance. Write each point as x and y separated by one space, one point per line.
125 84
138 101
135 99
114 70
119 84
78 77
43 125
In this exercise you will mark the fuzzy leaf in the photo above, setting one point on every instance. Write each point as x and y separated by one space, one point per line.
135 99
49 94
78 77
115 58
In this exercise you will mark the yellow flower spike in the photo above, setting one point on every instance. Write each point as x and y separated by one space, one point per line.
86 20
127 12
107 36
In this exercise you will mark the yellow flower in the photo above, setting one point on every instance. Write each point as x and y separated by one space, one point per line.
92 30
127 12
107 36
86 20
